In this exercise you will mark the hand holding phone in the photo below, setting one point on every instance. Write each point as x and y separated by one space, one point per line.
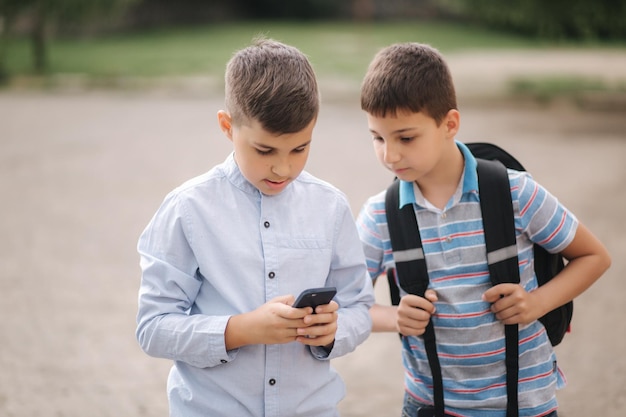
314 297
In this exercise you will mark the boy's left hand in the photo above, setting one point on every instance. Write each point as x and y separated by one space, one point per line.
512 304
321 326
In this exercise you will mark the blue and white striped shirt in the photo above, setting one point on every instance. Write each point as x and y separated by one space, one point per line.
470 340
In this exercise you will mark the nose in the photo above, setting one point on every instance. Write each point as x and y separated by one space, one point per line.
390 153
281 167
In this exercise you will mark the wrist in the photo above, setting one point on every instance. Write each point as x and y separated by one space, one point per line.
234 335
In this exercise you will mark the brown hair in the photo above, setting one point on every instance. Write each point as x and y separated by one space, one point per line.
408 76
274 84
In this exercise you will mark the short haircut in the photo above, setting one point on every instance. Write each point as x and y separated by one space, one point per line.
411 77
274 84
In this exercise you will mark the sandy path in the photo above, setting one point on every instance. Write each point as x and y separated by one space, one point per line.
82 174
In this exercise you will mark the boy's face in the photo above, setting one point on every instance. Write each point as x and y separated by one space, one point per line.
268 161
411 145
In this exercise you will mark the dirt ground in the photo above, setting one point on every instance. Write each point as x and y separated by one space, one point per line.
82 173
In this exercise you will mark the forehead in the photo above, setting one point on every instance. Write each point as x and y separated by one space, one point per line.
254 134
402 120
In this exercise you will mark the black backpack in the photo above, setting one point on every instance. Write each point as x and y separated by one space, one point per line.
497 213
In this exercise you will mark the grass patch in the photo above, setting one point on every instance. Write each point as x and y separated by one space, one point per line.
578 89
341 49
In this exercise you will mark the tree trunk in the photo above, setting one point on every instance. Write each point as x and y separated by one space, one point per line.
5 22
363 10
38 38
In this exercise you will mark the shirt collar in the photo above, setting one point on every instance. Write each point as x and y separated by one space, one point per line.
234 175
469 178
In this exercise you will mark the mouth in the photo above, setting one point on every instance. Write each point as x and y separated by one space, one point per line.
398 171
276 184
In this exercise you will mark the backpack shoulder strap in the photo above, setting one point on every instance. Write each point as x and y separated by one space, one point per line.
499 228
406 243
498 221
547 265
412 273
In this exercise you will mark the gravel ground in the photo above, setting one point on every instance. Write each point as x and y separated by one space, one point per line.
82 173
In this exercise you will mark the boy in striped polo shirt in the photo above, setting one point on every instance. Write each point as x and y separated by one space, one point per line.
409 98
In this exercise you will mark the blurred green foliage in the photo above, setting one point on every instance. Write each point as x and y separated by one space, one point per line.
341 49
553 19
40 14
84 42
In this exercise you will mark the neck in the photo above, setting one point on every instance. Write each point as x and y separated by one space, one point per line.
439 186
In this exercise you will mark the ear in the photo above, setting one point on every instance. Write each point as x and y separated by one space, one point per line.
452 123
225 123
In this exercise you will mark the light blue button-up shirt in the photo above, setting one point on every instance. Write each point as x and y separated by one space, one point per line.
218 247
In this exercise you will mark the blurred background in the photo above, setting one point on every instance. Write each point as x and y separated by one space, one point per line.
106 105
113 43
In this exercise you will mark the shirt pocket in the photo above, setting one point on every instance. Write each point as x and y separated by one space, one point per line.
306 259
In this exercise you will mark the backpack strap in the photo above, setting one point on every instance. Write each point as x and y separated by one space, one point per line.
412 274
498 215
500 241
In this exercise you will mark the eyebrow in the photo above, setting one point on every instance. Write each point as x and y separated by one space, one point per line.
261 145
399 131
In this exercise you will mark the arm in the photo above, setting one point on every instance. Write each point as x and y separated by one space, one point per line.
413 313
587 259
166 331
167 327
384 318
545 221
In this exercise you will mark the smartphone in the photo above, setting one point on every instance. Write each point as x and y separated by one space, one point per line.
314 297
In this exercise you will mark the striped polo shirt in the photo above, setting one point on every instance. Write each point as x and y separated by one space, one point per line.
470 340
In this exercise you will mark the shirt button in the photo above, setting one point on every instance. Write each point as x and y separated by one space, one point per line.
271 275
266 224
272 381
444 215
448 239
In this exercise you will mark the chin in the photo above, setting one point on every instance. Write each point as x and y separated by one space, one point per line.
407 178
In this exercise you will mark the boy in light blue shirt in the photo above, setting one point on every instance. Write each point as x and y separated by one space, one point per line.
225 254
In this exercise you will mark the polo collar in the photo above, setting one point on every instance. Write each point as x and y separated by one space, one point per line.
469 178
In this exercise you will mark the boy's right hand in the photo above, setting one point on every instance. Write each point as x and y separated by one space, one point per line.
274 322
414 313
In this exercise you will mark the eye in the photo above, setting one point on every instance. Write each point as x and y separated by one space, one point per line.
263 151
406 139
377 139
300 149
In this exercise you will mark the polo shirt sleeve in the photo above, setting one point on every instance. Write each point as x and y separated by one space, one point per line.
540 214
372 227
